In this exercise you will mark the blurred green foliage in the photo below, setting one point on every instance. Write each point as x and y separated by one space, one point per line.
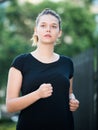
16 28
7 125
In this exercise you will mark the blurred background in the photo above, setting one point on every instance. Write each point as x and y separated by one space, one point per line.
79 41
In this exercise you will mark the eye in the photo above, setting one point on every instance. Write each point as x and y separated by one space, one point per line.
42 25
54 26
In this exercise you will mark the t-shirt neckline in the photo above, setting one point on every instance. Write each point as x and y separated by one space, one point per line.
44 63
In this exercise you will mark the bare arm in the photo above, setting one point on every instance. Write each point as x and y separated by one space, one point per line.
74 103
71 84
13 101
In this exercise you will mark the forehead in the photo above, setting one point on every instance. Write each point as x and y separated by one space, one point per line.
48 19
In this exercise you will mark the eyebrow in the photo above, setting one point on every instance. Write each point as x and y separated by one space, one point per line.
51 23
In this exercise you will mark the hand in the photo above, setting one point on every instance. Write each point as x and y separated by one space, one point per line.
45 90
74 104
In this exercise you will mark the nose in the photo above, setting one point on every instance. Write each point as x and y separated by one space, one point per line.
48 28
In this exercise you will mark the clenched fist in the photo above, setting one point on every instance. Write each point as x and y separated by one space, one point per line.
74 104
45 90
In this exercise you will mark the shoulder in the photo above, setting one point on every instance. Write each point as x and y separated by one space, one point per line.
21 57
68 62
66 59
19 60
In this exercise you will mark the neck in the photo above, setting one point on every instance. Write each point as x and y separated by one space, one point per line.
46 51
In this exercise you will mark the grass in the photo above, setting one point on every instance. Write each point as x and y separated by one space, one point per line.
7 125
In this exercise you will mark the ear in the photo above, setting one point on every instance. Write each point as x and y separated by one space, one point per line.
60 34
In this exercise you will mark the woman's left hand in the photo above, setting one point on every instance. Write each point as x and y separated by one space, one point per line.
74 104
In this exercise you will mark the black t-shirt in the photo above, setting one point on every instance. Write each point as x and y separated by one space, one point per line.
50 113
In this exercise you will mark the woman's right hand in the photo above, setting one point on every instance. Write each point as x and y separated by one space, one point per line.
45 90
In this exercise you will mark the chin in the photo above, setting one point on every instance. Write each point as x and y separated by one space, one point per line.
48 43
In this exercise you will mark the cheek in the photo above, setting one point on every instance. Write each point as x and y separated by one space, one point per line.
40 35
56 34
40 31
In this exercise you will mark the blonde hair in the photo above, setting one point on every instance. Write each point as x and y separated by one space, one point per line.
45 12
35 39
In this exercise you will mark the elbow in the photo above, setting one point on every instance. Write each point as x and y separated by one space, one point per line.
9 107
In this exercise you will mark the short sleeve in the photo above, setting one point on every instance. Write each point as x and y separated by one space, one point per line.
71 69
18 62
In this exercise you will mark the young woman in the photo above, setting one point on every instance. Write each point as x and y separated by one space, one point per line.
44 79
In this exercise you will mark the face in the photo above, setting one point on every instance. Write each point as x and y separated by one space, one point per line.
48 29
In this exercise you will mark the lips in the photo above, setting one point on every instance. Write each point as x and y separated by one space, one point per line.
47 35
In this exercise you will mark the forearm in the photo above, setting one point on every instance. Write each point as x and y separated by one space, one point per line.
19 103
